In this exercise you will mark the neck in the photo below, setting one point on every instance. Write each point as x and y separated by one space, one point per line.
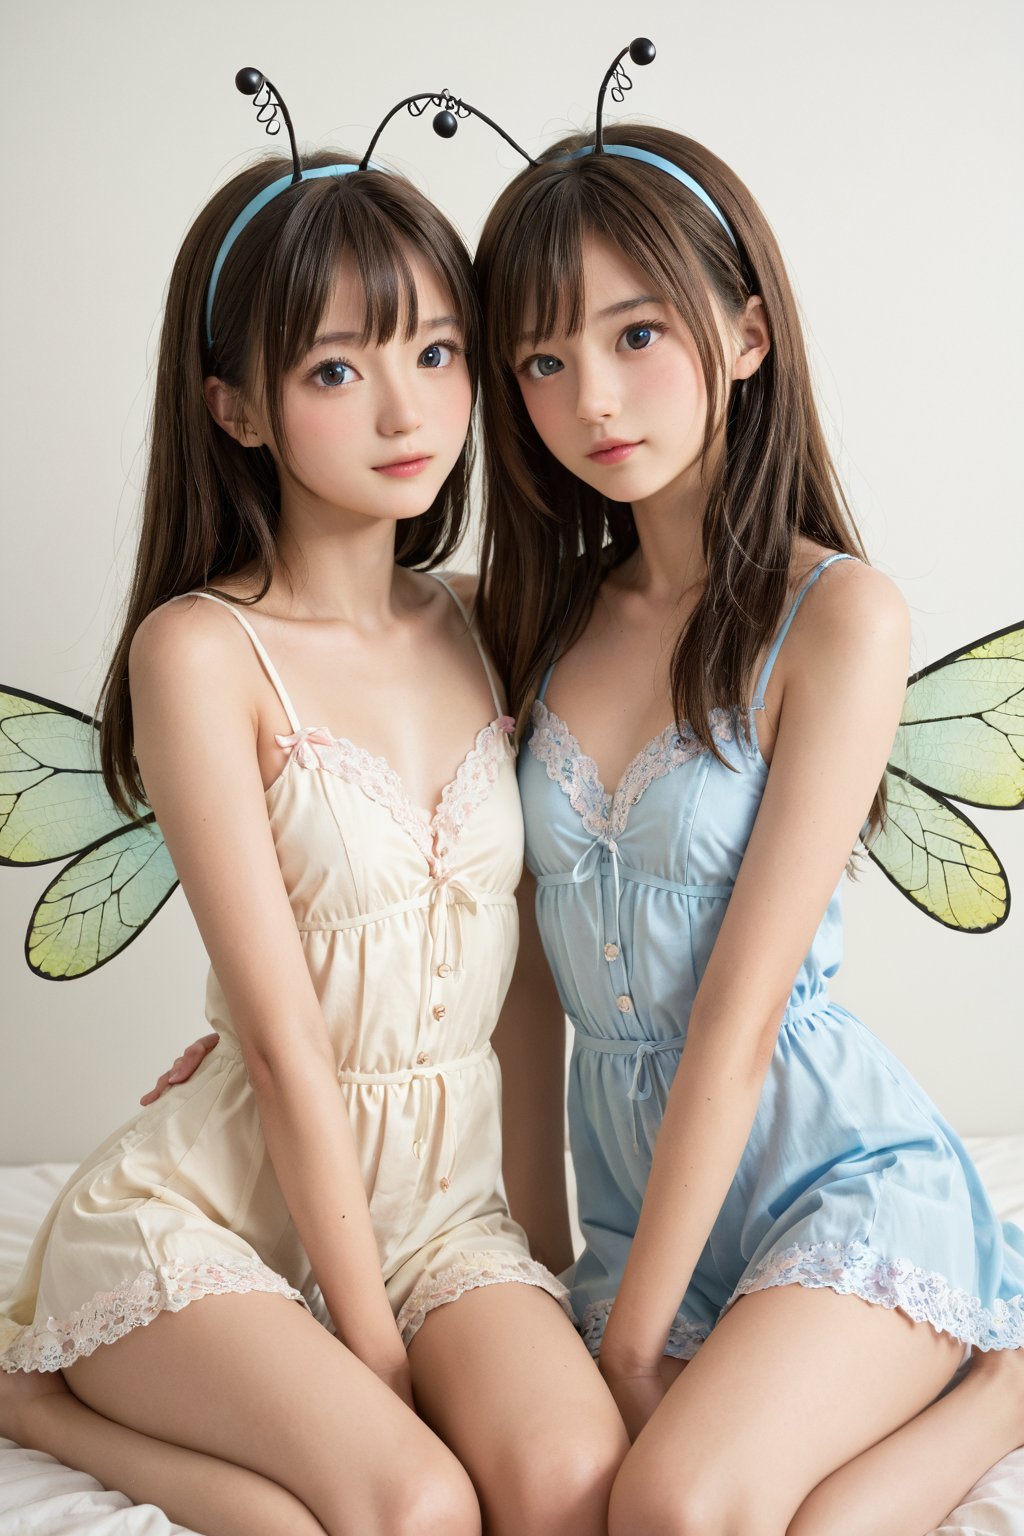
670 560
336 566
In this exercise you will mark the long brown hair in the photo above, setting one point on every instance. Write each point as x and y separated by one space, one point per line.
548 538
211 507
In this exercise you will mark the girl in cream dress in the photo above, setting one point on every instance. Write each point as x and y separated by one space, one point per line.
292 690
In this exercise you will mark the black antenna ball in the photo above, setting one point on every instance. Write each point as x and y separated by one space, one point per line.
445 125
248 81
642 50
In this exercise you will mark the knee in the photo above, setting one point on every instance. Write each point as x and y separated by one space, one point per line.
444 1500
660 1503
558 1484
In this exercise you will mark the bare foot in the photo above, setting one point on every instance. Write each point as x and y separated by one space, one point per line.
22 1395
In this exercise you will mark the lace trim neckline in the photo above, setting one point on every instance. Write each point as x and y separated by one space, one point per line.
434 833
604 815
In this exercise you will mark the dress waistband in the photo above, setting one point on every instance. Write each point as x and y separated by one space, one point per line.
640 1086
427 1071
422 1069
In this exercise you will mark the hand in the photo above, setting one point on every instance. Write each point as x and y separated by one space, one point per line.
183 1068
637 1388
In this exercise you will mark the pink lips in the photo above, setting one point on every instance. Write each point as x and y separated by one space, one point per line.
402 468
612 452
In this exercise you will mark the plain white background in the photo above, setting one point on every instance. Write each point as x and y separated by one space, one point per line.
883 139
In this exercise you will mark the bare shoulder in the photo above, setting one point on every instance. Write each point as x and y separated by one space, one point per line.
189 644
852 614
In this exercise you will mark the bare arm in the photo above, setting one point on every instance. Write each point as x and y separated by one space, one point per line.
195 738
843 689
530 1042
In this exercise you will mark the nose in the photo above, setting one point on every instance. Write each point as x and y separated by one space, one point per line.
596 397
399 411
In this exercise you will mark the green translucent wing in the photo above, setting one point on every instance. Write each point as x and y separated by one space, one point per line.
100 902
939 859
962 728
53 802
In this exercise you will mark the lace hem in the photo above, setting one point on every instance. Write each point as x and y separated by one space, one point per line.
603 814
684 1338
435 836
468 1274
109 1315
925 1296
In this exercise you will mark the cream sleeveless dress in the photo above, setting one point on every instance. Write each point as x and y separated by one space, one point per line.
409 928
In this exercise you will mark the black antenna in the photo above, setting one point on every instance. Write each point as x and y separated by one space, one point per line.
641 51
446 120
268 100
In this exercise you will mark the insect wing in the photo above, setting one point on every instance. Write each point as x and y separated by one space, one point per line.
962 728
100 902
53 801
939 859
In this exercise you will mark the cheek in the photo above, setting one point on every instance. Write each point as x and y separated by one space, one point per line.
670 377
545 410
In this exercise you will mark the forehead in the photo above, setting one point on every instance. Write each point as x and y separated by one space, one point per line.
349 304
609 278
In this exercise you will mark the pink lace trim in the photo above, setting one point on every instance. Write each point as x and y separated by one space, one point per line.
58 1342
468 1274
568 766
435 836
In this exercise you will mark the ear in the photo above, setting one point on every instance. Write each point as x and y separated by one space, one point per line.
225 406
753 337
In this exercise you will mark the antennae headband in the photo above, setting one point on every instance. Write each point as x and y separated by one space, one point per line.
269 103
627 152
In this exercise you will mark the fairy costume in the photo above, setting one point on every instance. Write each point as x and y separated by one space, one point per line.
409 927
851 1178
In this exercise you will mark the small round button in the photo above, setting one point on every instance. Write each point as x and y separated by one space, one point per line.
446 1185
444 971
423 1060
611 951
439 1010
624 1004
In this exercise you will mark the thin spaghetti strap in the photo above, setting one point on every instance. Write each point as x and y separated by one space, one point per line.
460 605
766 670
258 647
542 690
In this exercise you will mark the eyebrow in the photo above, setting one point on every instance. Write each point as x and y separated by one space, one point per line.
346 338
603 314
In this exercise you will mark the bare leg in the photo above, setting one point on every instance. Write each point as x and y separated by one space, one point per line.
255 1382
908 1483
193 1490
504 1378
792 1384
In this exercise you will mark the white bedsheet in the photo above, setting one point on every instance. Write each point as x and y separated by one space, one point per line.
40 1497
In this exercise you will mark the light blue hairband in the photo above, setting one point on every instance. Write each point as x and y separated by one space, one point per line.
249 212
628 152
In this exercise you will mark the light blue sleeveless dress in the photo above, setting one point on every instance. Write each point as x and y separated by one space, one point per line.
851 1178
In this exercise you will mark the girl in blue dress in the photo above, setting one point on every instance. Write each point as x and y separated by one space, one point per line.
765 1194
